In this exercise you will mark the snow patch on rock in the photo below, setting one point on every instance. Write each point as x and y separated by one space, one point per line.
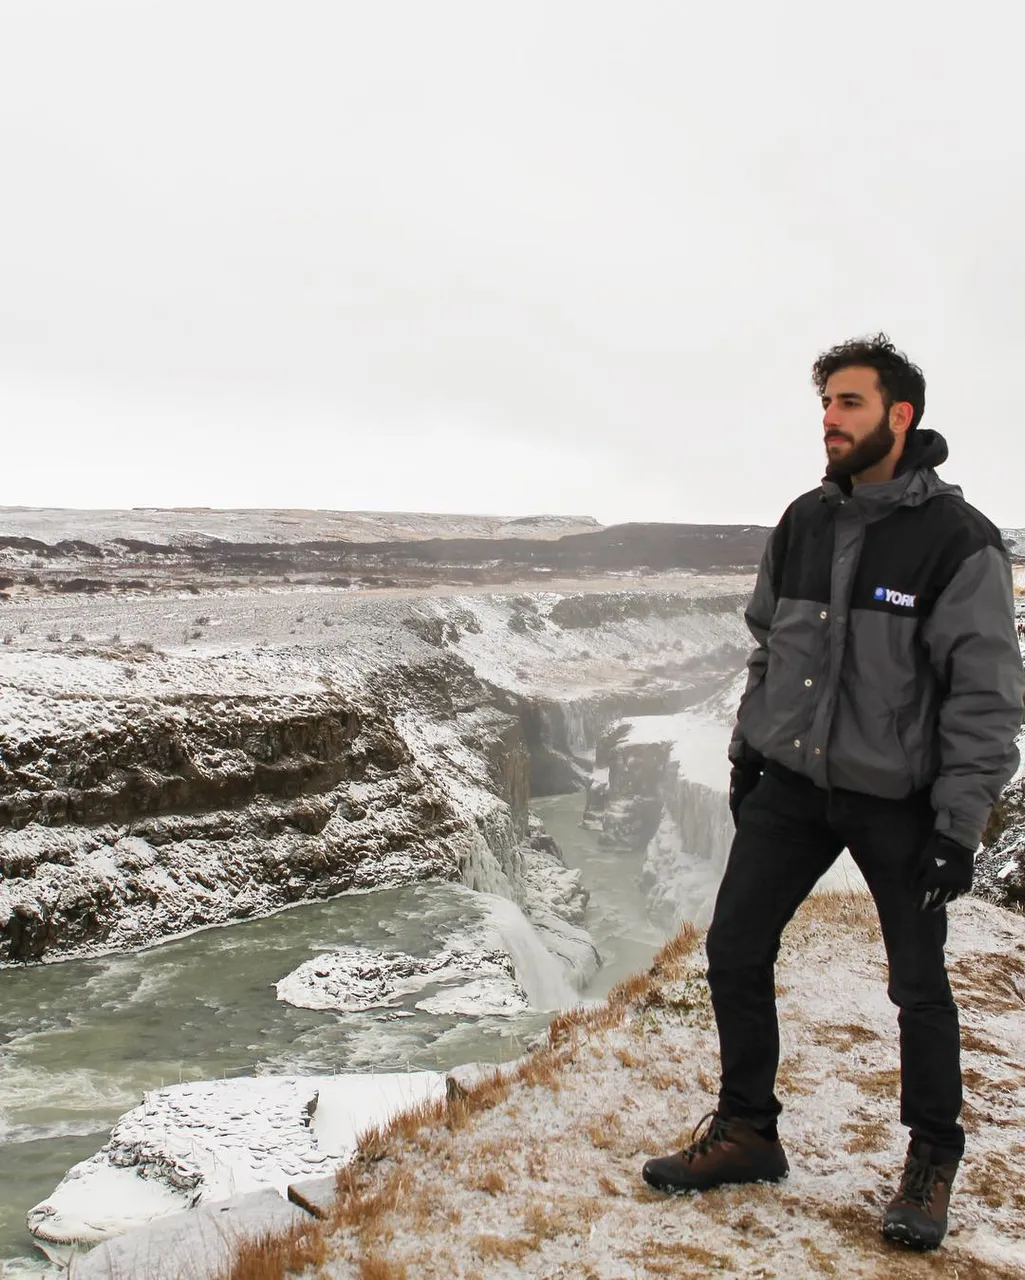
355 979
481 997
194 1143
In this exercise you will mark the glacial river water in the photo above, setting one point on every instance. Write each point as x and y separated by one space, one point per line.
81 1041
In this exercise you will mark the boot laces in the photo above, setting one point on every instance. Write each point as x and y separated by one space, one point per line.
919 1182
707 1132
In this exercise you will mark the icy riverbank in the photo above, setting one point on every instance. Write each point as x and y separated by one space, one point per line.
196 1143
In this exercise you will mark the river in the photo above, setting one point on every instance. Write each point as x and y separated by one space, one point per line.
82 1040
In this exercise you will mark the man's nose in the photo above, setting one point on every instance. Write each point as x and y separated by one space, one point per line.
830 419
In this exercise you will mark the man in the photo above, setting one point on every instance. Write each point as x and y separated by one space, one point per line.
880 715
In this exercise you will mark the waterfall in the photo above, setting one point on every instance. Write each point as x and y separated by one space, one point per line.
509 877
539 973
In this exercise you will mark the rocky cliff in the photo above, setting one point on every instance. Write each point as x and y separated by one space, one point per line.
126 818
145 790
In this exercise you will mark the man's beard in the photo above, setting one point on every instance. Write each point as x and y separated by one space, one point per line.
866 453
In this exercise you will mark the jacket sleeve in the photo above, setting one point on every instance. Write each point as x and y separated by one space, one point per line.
758 616
973 646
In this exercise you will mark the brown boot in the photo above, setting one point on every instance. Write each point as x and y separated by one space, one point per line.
917 1214
724 1151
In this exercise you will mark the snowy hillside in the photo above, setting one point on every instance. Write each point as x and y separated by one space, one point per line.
539 1174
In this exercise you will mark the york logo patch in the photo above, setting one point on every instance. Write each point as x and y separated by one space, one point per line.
895 597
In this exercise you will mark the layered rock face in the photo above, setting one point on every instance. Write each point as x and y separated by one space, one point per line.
127 819
660 788
145 792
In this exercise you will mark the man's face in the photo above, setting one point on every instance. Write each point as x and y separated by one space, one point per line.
855 422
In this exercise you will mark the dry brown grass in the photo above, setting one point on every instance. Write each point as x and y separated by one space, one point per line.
660 1079
492 1182
664 1258
973 1042
850 911
377 1268
546 1222
989 981
879 1084
509 1248
604 1130
995 1182
707 1083
857 1228
995 1092
272 1257
793 1078
824 1264
868 1134
842 1035
606 1185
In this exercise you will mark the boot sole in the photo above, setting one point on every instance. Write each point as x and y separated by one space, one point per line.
899 1233
675 1189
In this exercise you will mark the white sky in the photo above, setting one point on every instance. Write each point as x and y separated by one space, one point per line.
551 255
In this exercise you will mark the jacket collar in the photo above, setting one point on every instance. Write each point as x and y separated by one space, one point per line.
914 482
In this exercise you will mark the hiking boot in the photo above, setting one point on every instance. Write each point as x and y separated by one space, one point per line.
917 1214
724 1150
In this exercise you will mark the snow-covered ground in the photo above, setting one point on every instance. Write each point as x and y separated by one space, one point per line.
546 1182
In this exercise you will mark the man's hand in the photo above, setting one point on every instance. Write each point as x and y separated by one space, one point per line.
743 780
944 872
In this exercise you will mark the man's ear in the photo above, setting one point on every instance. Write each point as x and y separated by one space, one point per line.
901 414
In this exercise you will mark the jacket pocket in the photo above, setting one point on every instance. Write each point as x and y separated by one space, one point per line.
866 752
779 711
899 751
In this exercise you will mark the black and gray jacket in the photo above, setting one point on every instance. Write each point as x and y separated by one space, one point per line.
886 658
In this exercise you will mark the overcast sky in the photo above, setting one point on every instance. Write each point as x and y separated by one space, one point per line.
551 255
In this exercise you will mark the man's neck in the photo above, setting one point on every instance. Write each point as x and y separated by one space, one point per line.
879 474
881 471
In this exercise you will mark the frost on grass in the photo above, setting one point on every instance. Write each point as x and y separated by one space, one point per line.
537 1172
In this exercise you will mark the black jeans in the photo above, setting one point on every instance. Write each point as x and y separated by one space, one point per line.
791 832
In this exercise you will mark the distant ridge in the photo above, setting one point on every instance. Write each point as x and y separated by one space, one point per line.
177 525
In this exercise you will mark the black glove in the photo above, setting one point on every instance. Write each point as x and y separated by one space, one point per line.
743 780
944 872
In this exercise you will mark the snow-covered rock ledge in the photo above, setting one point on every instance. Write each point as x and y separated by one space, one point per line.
474 982
199 1143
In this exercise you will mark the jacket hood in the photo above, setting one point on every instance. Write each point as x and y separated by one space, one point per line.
915 481
923 449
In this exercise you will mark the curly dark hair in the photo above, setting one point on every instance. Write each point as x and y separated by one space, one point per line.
899 379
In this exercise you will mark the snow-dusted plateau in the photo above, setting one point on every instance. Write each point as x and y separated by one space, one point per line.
480 762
